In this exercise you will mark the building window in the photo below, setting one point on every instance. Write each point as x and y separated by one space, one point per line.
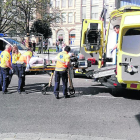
94 12
83 12
63 17
70 17
63 3
94 2
51 3
57 18
70 3
57 4
83 2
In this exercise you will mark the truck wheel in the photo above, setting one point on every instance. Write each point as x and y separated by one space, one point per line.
115 92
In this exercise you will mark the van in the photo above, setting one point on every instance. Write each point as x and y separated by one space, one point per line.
7 40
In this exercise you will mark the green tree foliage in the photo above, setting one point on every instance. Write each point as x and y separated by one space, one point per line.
6 16
18 15
41 26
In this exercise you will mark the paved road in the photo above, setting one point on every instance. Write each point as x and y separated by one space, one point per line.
92 114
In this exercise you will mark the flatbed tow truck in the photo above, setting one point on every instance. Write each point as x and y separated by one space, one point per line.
123 73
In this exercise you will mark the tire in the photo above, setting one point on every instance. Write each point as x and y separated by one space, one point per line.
118 92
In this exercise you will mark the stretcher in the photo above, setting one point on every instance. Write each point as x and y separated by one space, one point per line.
46 87
39 64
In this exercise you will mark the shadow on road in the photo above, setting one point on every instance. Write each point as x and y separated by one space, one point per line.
138 118
79 91
131 94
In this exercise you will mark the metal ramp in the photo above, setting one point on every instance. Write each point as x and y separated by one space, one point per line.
102 72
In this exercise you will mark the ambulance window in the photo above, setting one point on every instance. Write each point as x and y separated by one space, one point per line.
131 41
2 45
132 32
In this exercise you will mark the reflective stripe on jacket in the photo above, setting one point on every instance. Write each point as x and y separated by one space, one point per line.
62 58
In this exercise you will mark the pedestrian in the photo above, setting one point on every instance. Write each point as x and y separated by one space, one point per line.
34 46
1 79
62 64
22 64
40 45
15 56
57 44
60 47
63 46
46 46
6 67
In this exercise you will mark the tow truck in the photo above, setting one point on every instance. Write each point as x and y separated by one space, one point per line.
95 45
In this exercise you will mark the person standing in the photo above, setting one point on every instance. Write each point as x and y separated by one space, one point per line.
15 56
1 79
57 44
116 29
34 46
22 64
63 62
6 67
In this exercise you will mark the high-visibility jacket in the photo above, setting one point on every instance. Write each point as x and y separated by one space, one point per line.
23 57
5 56
15 57
62 58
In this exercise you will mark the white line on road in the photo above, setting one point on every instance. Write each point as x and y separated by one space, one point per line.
35 76
97 96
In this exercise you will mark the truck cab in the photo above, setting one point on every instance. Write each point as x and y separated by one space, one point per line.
121 69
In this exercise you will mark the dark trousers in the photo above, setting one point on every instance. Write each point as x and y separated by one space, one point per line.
15 71
5 76
21 76
1 79
64 76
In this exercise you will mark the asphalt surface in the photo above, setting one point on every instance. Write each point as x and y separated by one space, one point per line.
92 114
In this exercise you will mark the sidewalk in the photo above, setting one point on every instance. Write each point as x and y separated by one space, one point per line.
49 136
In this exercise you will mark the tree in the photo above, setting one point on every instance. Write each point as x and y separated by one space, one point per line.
25 10
6 16
41 26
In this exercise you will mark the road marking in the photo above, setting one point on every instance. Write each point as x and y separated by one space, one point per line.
98 96
35 76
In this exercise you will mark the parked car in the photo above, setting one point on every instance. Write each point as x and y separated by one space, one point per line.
7 40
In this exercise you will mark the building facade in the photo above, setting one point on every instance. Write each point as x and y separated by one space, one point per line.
68 28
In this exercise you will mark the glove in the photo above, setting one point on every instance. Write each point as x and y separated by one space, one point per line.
111 51
28 66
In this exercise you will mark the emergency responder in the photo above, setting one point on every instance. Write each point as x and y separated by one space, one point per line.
22 64
5 67
1 81
116 29
62 64
15 56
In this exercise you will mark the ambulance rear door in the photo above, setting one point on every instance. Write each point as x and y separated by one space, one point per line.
128 57
92 37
